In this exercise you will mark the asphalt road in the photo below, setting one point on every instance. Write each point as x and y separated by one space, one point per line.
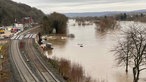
26 73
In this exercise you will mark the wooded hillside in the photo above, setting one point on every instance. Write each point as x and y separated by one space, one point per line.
9 11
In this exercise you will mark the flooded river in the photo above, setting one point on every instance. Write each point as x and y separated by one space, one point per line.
95 56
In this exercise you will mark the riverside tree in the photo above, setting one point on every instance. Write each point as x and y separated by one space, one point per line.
132 50
54 21
122 53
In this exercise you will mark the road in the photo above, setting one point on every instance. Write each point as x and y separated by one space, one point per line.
42 74
25 73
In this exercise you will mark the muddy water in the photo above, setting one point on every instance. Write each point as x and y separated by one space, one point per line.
95 56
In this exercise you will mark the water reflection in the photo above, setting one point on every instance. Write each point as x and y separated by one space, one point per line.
121 76
101 34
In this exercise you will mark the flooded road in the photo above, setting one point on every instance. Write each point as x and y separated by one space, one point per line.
95 56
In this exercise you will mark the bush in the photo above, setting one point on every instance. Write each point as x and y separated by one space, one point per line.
70 72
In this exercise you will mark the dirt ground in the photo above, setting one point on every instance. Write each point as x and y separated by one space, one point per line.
7 33
3 42
5 72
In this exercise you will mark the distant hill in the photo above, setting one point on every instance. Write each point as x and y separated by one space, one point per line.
139 11
93 14
98 14
9 11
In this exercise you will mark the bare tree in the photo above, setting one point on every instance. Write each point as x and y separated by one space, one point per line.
122 53
132 50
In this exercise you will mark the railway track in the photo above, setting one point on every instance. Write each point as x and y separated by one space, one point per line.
24 71
42 70
39 72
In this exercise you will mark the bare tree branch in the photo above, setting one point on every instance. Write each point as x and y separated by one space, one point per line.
142 69
132 50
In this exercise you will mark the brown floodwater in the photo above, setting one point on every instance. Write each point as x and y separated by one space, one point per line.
95 56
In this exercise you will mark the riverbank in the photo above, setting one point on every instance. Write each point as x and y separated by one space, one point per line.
46 61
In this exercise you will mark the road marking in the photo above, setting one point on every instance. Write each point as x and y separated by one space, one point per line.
21 37
34 36
30 35
17 37
27 36
13 37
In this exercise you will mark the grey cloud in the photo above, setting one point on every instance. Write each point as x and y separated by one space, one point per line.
80 5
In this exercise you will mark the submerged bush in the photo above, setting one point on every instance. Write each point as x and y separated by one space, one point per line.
106 23
71 72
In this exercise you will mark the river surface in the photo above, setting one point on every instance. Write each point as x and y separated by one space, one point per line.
95 56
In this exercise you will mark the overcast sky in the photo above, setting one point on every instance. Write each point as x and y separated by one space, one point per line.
67 6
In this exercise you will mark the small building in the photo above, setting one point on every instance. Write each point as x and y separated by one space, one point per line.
27 22
20 27
17 27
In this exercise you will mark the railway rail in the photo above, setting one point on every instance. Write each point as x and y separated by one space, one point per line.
45 74
24 71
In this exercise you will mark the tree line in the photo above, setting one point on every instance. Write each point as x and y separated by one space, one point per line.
110 22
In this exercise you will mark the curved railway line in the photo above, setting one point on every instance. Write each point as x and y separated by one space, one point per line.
24 71
43 71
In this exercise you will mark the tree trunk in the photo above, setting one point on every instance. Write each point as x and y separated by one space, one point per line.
126 69
136 73
127 63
